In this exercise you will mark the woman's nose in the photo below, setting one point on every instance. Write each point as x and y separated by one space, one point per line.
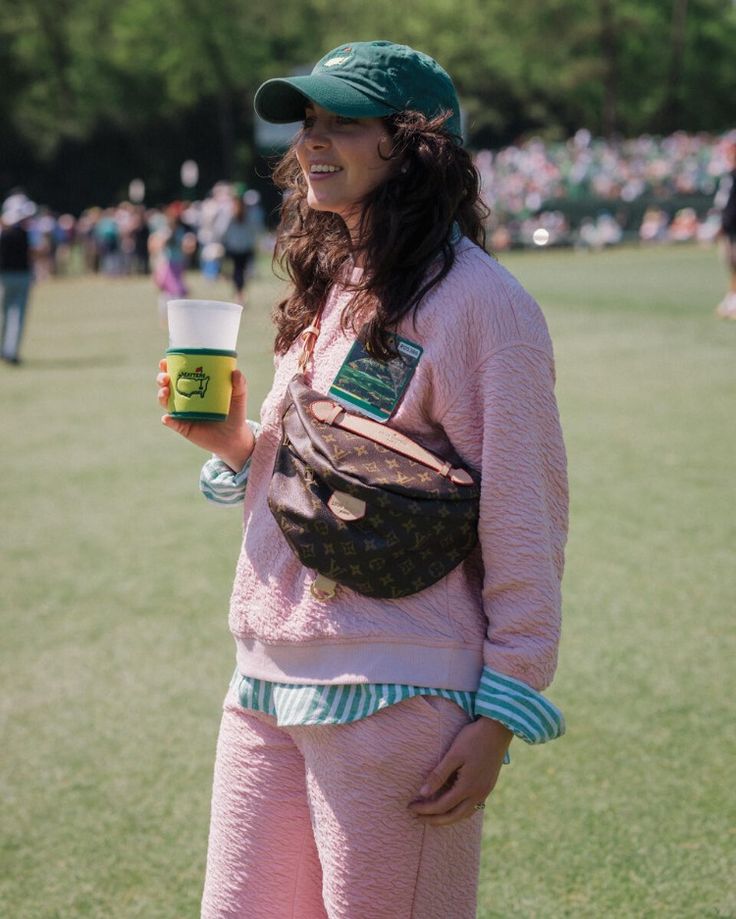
316 138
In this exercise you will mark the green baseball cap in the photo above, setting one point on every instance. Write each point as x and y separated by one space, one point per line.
365 79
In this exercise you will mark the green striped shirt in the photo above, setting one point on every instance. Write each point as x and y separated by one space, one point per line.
525 712
333 704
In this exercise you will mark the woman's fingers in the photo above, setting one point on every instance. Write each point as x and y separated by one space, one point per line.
164 382
448 806
445 799
239 398
442 776
175 424
462 811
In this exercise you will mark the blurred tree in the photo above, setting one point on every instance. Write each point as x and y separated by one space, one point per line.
672 102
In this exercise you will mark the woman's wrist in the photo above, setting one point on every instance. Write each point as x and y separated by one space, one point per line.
237 455
496 729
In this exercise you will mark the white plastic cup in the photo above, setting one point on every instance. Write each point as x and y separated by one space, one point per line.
210 324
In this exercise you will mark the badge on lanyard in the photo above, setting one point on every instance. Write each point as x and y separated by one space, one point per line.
371 386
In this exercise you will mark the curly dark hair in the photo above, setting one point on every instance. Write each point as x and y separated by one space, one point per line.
404 239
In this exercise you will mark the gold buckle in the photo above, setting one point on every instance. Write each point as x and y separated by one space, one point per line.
323 588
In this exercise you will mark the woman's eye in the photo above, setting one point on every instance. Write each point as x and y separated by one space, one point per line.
308 122
343 119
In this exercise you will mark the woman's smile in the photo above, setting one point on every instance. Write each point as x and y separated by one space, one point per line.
323 169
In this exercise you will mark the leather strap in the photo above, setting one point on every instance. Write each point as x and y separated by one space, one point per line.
309 340
329 412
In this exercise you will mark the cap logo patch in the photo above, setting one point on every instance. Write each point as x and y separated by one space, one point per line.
340 58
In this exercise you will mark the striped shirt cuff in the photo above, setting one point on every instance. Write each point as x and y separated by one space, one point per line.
217 481
519 707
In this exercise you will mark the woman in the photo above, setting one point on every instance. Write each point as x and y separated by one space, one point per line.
360 736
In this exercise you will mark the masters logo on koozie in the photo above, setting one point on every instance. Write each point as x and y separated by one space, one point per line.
192 383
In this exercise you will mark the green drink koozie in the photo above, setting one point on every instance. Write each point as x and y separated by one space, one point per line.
201 383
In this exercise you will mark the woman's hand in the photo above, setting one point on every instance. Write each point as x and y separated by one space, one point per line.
465 775
232 440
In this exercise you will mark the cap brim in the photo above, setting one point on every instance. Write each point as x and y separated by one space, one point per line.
282 101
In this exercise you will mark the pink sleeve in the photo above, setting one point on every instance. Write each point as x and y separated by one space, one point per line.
511 407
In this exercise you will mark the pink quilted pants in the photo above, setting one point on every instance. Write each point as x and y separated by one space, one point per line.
312 822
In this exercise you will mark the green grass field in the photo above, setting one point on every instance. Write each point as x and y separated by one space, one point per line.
116 576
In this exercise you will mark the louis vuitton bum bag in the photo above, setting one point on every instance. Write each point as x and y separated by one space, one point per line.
362 504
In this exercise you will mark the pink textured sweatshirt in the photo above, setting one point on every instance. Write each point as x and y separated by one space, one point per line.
485 385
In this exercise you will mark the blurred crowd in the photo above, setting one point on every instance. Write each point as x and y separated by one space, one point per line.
130 239
617 190
582 192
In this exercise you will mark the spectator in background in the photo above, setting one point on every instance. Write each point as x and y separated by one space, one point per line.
87 238
66 229
726 309
709 229
141 233
107 236
171 246
214 216
15 273
684 226
42 240
239 241
653 227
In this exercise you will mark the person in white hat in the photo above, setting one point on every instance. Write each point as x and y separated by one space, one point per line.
16 273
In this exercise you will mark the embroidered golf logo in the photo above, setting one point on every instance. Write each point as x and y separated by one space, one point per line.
192 383
344 55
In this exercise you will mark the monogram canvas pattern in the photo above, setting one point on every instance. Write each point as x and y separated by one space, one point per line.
417 526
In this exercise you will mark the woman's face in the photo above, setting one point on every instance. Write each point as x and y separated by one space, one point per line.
342 160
